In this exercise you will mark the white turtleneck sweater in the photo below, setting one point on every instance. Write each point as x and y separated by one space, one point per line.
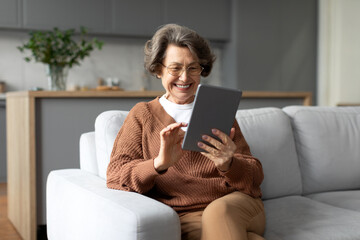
179 112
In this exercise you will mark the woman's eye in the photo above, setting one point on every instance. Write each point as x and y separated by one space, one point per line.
175 69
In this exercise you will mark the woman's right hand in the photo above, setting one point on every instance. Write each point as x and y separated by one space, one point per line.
170 146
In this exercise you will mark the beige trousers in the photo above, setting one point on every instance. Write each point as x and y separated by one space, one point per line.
235 216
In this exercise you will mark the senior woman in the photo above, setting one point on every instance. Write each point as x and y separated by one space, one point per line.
216 193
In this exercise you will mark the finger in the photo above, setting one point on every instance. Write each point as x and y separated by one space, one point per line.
174 126
180 136
219 134
212 141
171 127
223 136
164 130
232 133
208 149
184 124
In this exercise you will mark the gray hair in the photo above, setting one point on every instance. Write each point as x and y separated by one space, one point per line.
155 49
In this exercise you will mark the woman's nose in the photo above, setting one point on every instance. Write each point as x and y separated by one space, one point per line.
183 76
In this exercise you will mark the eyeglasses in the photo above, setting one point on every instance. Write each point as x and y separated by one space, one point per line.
177 69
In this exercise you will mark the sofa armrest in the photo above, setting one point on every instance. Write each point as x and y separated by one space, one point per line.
80 206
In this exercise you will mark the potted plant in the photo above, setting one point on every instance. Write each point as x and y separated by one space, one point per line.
59 51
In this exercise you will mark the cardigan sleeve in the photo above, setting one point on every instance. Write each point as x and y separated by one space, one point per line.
127 169
245 173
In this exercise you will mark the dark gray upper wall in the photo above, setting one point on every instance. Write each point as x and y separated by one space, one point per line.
273 46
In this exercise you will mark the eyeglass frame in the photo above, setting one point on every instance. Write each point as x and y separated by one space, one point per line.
182 70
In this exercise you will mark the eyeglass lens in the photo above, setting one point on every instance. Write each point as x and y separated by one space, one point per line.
177 69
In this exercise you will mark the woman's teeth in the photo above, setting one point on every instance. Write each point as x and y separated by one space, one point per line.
182 86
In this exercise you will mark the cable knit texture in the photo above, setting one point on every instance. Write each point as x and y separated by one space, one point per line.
193 182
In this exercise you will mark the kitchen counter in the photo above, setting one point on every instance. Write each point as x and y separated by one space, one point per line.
255 98
85 94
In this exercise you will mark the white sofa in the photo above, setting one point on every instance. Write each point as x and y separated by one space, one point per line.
311 190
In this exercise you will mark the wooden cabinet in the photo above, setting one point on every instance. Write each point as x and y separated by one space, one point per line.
2 140
10 13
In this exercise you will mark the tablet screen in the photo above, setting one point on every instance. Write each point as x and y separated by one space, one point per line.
214 107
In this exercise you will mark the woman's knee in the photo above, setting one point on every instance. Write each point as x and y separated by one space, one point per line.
233 215
236 206
217 208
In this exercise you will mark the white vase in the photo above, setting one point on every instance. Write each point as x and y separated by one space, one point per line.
57 77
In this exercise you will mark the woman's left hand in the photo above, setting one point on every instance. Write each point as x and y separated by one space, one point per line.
222 151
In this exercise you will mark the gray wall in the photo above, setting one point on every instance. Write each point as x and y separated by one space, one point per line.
273 46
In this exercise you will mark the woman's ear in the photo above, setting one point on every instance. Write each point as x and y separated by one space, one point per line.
158 73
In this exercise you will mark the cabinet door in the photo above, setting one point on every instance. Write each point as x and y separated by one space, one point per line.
210 18
47 14
3 140
9 13
136 17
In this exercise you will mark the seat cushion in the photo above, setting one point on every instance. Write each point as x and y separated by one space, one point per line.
300 218
327 141
344 199
269 135
107 126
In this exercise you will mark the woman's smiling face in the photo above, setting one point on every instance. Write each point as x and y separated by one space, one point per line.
179 89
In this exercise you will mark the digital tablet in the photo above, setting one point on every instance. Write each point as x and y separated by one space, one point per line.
214 107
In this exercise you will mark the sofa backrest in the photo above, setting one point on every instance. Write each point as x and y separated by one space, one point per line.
269 135
88 161
328 145
267 131
107 126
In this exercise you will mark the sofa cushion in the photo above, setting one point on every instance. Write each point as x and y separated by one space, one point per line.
327 141
88 160
299 218
107 125
269 135
344 199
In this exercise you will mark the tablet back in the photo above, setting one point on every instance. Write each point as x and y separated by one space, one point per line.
214 107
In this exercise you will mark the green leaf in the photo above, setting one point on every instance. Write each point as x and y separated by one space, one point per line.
58 47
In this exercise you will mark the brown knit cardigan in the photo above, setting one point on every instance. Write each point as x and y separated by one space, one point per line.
193 182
